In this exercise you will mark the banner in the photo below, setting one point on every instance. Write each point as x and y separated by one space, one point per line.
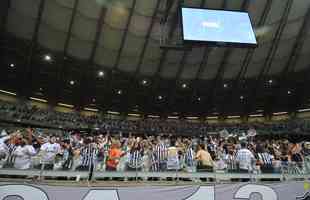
281 191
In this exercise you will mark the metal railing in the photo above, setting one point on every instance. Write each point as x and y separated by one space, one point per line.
40 171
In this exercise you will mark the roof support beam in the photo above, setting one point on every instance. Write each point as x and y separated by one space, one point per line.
156 77
268 62
116 65
120 50
181 67
60 71
27 72
302 93
174 22
248 57
85 80
221 70
4 10
147 38
223 65
132 86
293 58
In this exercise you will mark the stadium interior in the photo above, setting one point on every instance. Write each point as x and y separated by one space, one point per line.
106 90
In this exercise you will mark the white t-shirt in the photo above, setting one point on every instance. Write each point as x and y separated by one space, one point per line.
173 159
49 152
23 156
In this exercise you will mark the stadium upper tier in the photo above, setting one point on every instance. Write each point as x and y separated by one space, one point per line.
26 113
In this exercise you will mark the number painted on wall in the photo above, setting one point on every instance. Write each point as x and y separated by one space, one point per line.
27 192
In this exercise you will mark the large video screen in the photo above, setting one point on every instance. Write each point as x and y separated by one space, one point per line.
217 26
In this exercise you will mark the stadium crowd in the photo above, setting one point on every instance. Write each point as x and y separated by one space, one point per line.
25 149
27 113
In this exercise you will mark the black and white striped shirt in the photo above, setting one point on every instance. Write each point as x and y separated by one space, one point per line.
161 153
11 157
154 163
89 155
266 158
189 157
135 159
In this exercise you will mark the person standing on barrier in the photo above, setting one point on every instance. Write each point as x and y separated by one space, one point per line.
67 155
244 159
230 159
205 162
264 159
11 145
23 154
296 158
173 162
135 157
49 151
4 151
189 157
160 155
89 154
306 152
115 154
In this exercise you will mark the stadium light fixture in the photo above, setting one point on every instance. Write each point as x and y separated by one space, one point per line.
233 117
289 92
134 115
12 65
144 82
72 82
225 85
7 92
199 99
257 115
279 113
192 118
215 117
270 81
47 57
113 113
65 105
119 92
91 109
173 117
101 73
184 85
38 99
153 116
304 110
160 97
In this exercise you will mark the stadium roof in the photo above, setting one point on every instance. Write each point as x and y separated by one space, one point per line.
106 54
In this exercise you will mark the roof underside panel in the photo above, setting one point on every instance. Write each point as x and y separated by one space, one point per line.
255 10
214 4
234 63
27 11
145 8
192 63
172 64
276 11
53 29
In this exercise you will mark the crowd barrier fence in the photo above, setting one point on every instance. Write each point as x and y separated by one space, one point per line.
289 171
